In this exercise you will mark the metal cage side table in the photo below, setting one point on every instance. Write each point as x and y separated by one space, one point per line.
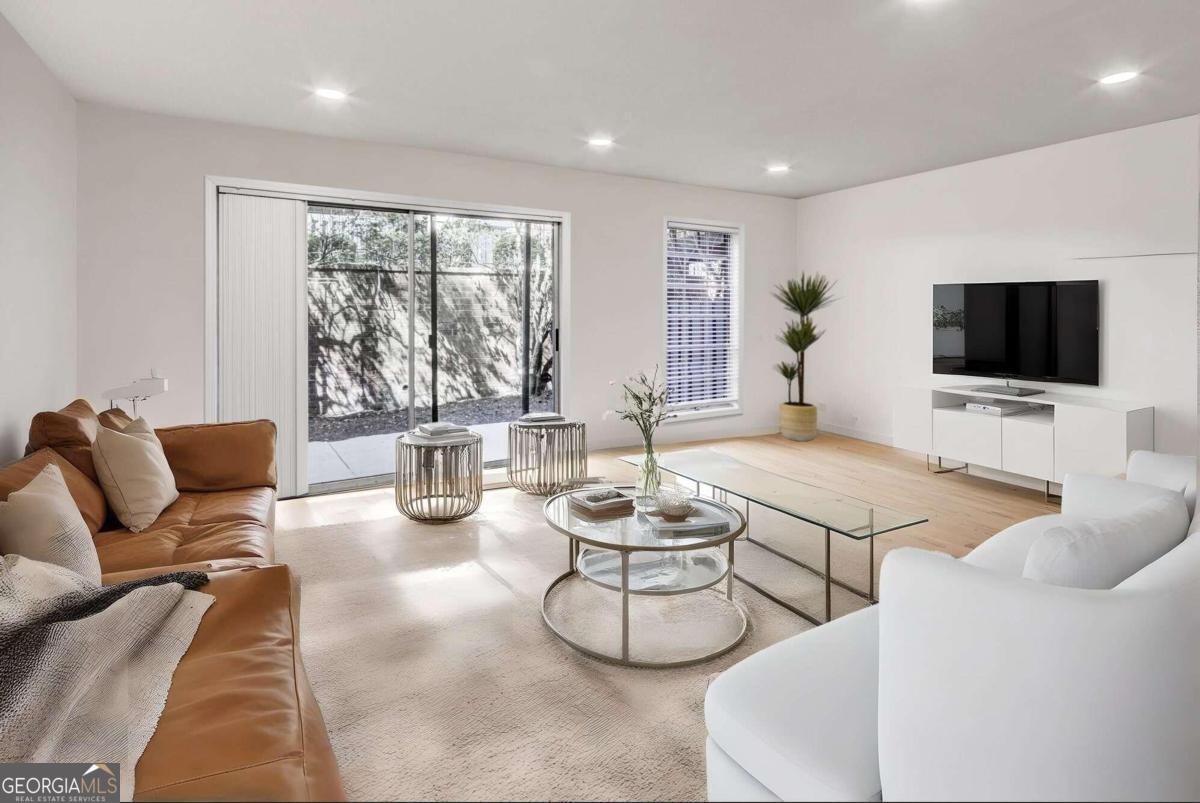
439 482
544 457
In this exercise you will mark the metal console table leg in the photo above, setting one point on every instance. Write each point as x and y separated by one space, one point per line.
826 576
963 468
625 606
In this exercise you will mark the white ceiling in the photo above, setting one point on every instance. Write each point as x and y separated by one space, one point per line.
700 91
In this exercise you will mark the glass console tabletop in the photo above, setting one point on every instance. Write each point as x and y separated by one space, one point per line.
829 510
836 512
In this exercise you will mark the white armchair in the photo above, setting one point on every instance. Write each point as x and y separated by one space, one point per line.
970 682
997 687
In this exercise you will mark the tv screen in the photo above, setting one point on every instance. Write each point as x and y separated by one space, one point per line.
1046 331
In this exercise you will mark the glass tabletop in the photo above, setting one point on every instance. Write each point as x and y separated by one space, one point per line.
820 506
633 532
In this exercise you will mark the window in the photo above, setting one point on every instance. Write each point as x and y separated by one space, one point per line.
417 316
703 330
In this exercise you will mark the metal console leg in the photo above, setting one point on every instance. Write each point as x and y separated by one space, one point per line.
828 581
941 470
729 580
871 569
624 606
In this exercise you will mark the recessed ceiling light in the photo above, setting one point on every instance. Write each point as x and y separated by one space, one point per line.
329 93
1119 77
600 141
778 168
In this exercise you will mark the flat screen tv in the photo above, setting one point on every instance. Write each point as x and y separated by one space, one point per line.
1044 331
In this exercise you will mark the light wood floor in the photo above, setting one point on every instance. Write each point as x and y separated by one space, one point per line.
963 510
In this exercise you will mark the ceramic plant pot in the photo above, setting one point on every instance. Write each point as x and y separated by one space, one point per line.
798 422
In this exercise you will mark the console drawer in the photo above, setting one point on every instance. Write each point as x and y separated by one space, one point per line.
968 437
1028 445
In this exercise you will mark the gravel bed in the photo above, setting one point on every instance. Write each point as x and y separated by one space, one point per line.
381 422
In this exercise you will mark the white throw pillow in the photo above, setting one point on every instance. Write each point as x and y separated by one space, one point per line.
41 522
134 473
1100 553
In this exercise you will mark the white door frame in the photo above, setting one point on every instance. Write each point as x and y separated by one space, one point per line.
315 193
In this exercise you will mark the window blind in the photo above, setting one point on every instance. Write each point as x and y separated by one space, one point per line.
702 326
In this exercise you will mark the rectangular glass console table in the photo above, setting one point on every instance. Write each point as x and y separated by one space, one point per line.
829 510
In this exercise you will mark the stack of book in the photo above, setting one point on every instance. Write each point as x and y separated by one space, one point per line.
702 522
437 432
601 502
542 418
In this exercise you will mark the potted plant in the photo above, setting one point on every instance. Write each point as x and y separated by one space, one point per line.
645 405
802 297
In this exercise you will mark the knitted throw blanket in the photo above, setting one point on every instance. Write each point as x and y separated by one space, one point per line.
85 669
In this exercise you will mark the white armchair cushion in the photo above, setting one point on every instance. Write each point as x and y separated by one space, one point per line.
1100 553
1006 551
1176 472
1000 687
1091 497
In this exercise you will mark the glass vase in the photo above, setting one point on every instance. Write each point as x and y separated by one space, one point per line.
649 480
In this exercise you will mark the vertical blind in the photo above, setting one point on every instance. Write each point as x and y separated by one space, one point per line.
702 308
261 354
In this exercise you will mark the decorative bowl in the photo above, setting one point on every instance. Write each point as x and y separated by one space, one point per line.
674 503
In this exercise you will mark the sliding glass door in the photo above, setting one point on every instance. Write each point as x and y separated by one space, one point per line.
417 316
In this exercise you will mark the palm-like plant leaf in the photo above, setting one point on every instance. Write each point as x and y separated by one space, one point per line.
799 336
787 370
805 295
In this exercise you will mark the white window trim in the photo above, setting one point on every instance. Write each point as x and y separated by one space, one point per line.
316 193
739 230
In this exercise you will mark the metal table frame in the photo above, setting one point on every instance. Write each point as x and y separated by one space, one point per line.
827 575
575 539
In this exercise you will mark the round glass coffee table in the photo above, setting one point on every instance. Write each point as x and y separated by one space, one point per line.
681 588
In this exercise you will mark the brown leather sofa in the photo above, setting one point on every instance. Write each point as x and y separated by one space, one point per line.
240 722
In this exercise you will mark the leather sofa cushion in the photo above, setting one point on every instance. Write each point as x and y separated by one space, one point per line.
114 418
70 432
86 493
240 504
220 457
121 550
241 722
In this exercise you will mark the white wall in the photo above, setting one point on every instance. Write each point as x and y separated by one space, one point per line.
37 241
1027 216
141 253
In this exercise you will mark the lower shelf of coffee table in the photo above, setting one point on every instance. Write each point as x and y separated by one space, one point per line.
655 573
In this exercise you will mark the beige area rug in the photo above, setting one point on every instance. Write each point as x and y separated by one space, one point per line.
438 679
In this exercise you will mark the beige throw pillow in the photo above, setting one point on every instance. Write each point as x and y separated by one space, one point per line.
41 522
134 473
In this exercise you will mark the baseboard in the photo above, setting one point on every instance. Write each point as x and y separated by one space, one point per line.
857 434
668 439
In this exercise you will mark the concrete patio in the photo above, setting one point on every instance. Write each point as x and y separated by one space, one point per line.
373 455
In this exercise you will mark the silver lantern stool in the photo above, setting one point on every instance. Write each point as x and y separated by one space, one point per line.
545 457
439 480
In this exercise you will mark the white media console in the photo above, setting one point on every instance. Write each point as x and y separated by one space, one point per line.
1068 434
